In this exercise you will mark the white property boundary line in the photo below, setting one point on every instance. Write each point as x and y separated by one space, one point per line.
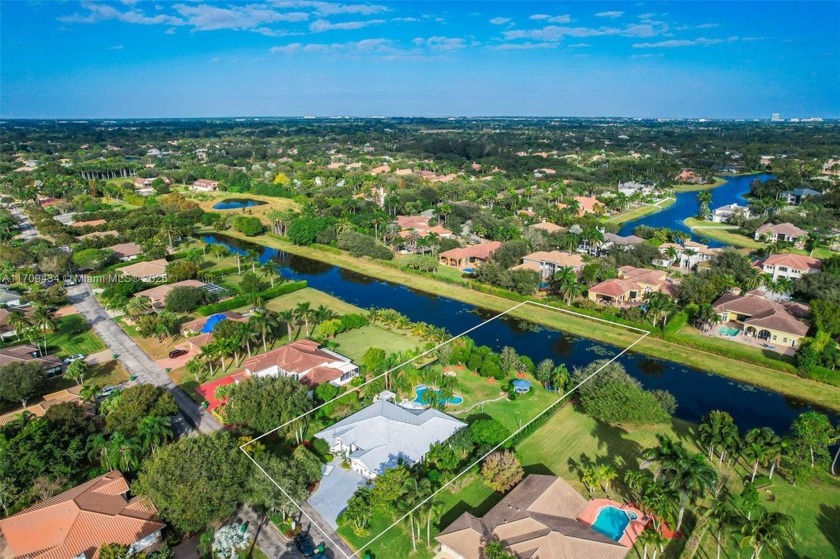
337 546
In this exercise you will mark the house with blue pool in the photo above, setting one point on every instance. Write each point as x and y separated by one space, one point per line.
546 517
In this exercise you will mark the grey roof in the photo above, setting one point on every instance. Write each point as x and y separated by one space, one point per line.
619 240
7 295
804 192
384 432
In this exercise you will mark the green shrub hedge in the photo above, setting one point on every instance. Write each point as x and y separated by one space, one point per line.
242 300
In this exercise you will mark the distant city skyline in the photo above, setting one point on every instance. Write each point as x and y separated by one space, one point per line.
138 59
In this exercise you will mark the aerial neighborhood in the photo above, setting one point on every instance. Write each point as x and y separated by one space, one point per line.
292 324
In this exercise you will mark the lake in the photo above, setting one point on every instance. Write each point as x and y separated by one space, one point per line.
731 192
697 392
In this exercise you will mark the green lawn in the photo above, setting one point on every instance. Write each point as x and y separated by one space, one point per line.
641 211
74 335
697 187
722 232
355 343
822 253
315 298
734 349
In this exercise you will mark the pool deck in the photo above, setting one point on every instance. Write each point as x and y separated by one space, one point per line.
742 338
634 528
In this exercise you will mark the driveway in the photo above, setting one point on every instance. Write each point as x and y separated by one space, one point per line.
25 229
178 362
333 492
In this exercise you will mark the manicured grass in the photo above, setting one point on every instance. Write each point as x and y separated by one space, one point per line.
74 335
723 233
356 342
207 199
819 393
822 253
641 211
315 298
735 349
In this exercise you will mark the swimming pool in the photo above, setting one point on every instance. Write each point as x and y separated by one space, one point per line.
727 331
612 521
420 390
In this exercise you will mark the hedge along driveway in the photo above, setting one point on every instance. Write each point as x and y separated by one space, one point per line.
695 356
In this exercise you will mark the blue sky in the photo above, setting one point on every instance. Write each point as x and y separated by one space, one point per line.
186 58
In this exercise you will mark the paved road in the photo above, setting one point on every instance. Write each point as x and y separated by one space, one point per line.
27 231
134 359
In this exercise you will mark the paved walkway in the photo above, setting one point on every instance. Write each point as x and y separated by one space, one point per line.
26 231
134 359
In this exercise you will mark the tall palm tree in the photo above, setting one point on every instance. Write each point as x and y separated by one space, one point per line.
124 452
269 271
266 323
565 282
17 321
691 476
768 530
836 438
254 256
722 517
208 355
43 319
287 317
138 305
97 447
322 313
606 475
757 447
718 432
303 311
155 431
657 304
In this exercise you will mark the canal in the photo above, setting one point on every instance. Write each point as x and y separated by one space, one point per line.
697 392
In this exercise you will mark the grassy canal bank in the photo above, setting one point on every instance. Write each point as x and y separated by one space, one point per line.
777 380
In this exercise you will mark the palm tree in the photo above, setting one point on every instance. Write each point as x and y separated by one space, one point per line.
196 367
155 431
651 537
753 278
42 319
322 313
703 199
138 305
836 438
757 447
303 311
266 323
663 454
783 287
97 447
566 283
768 530
722 517
691 476
718 432
589 477
657 304
254 256
208 355
17 322
706 316
124 452
606 474
287 317
269 271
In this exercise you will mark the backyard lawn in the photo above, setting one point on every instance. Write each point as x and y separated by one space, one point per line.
722 232
356 342
74 335
315 298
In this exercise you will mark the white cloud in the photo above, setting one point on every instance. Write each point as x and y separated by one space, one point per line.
610 14
321 25
566 18
579 45
365 47
524 46
104 12
405 20
170 31
291 48
677 43
323 9
204 17
438 43
554 33
499 20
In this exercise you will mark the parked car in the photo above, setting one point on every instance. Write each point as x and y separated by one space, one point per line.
105 392
305 545
69 359
175 353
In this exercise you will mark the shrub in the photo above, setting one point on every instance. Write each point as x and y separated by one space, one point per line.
247 225
675 324
501 471
184 299
363 245
181 270
242 300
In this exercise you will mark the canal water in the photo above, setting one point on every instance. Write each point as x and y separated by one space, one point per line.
731 192
697 392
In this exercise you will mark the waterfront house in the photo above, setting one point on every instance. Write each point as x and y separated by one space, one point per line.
790 266
304 360
382 435
151 270
77 523
24 353
548 227
687 255
757 317
781 233
724 213
547 263
204 185
797 196
469 256
631 286
542 517
420 225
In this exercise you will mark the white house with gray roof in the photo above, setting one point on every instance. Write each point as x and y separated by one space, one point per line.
381 435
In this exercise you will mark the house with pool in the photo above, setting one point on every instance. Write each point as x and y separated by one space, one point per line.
752 318
546 517
383 435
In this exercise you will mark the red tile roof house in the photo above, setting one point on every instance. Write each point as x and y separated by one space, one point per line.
761 318
92 223
547 263
468 256
76 523
781 232
126 251
205 185
157 295
790 266
147 271
305 361
631 286
419 223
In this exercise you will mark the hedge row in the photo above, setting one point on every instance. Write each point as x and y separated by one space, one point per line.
242 300
823 374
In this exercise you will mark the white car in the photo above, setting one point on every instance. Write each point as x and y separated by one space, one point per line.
105 392
71 358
